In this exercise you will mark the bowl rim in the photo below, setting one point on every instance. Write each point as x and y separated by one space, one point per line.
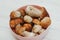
37 35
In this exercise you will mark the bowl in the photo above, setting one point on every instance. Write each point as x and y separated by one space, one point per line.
38 37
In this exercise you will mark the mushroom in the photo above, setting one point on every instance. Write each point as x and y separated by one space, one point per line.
18 20
20 30
45 22
28 34
28 27
36 28
27 18
17 28
12 23
15 14
36 21
32 11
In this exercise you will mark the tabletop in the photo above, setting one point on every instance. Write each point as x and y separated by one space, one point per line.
52 6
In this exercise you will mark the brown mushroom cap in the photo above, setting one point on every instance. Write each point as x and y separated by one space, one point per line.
36 21
12 23
18 20
45 22
28 27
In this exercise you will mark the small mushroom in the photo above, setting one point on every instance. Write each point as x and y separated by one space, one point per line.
20 30
36 28
27 18
12 23
15 14
18 20
32 11
45 22
28 27
36 21
28 34
17 28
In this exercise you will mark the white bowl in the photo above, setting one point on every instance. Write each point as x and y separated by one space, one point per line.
38 37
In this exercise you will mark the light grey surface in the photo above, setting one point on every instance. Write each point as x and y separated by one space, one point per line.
52 6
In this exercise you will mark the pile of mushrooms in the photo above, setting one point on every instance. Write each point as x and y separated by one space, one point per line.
29 21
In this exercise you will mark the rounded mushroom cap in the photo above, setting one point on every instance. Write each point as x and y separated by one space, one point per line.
36 21
17 28
36 28
15 14
18 20
28 27
45 22
12 23
21 30
27 18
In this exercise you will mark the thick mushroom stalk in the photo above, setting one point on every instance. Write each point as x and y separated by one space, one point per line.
15 14
32 11
36 28
28 34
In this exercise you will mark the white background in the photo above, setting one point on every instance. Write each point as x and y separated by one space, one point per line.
52 6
